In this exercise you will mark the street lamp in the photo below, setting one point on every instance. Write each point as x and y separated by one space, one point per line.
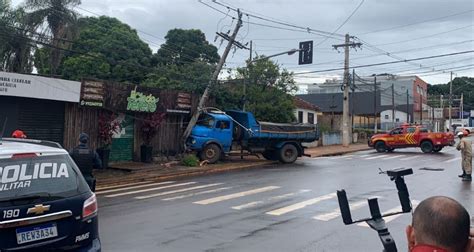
290 52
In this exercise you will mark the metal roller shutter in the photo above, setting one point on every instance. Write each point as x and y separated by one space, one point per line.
42 119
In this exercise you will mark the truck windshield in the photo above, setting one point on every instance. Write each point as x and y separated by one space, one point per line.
205 120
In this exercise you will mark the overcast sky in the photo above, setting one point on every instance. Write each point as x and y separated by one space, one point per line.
371 23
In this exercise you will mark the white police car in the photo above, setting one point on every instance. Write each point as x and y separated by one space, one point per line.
45 203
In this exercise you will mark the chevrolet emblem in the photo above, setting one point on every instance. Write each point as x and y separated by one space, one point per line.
38 209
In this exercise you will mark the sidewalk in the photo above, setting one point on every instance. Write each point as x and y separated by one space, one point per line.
135 172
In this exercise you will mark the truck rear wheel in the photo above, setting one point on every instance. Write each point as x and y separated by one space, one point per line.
380 146
437 148
211 153
426 147
270 155
288 154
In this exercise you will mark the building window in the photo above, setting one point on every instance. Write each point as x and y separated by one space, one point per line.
397 120
311 118
387 117
300 116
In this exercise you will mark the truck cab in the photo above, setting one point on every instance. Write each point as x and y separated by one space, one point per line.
211 135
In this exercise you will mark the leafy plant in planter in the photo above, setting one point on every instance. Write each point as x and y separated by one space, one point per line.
108 126
148 130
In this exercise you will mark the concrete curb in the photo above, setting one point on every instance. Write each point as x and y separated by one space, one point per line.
177 175
145 176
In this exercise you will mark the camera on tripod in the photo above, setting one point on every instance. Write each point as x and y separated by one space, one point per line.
376 220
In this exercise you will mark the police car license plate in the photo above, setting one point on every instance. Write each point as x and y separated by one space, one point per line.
36 233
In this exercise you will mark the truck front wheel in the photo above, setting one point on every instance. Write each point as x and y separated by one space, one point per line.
288 154
426 147
211 153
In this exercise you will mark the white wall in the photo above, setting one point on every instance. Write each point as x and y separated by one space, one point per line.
386 116
305 115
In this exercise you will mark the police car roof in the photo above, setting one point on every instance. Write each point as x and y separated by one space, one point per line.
10 147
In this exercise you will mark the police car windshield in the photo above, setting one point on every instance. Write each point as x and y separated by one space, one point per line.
23 177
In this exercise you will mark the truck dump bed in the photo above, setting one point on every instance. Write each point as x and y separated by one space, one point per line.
275 131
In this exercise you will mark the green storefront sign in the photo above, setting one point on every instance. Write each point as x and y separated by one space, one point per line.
140 102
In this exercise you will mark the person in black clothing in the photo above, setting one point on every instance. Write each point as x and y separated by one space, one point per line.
86 159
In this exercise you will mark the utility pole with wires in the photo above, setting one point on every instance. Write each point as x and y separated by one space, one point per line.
345 108
408 105
393 105
375 104
213 80
450 102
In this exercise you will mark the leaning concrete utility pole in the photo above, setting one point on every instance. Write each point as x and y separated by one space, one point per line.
345 107
205 95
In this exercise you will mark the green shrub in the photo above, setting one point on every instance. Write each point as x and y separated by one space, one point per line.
190 160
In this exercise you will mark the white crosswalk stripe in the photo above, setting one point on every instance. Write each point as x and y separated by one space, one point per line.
342 157
176 191
336 212
409 158
300 205
122 185
133 187
393 157
149 189
452 160
363 156
235 195
198 193
256 203
375 157
388 219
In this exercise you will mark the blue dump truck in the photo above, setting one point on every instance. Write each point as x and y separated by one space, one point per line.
218 133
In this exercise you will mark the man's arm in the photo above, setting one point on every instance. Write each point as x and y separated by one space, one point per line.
97 161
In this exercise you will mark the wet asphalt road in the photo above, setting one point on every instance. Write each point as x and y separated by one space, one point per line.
276 208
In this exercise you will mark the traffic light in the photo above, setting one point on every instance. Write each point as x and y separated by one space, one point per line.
306 53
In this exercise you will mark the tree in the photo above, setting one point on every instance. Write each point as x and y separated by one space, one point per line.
61 22
268 92
184 62
461 85
15 44
106 49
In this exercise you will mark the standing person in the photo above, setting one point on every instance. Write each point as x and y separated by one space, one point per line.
465 146
86 159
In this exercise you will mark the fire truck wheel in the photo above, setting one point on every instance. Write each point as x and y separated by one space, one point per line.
390 149
380 146
211 153
288 154
426 147
437 149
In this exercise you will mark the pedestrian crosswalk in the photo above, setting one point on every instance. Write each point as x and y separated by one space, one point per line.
268 200
448 155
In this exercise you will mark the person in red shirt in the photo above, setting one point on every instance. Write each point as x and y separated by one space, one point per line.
18 134
439 224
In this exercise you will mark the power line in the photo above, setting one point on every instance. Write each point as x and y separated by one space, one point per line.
284 23
390 62
427 36
343 23
424 21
